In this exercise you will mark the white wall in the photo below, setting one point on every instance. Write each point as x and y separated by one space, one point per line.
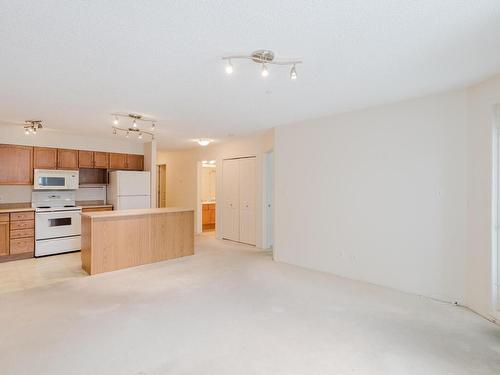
52 138
208 184
378 195
182 173
479 292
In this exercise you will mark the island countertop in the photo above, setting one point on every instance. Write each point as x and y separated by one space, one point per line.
134 212
112 240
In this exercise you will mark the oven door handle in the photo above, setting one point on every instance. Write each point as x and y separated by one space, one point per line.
57 212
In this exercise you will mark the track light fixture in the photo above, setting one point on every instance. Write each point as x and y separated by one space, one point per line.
31 126
134 128
264 57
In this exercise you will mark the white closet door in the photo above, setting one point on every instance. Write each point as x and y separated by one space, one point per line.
247 200
231 198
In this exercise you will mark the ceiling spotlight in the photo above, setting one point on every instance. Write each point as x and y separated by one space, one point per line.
263 57
265 71
34 130
26 131
203 142
229 67
211 162
136 127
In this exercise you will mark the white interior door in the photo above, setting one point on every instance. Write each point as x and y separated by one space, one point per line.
231 198
247 200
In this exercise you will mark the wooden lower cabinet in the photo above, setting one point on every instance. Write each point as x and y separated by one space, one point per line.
4 238
22 245
208 215
17 235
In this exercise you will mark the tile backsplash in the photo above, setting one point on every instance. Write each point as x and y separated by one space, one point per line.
15 193
97 193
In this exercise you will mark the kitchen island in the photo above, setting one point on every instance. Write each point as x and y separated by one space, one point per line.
112 240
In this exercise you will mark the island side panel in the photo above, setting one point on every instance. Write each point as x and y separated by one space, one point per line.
86 253
172 235
120 242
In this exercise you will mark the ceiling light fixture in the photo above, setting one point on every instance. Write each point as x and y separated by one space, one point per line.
203 142
293 73
31 126
229 67
265 71
134 128
264 57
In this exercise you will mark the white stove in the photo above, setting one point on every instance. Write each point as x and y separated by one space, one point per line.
57 222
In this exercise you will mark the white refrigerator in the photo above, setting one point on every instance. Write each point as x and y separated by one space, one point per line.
129 189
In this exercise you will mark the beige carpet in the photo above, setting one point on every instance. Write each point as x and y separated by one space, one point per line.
231 310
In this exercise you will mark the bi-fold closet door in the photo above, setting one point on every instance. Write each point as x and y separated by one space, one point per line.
239 191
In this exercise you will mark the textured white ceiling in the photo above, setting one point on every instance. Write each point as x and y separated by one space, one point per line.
71 63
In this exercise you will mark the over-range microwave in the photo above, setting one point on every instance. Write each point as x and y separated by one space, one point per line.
50 179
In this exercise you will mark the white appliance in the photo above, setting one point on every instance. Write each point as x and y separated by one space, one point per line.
51 179
57 222
129 189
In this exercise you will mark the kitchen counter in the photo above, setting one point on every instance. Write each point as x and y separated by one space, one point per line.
93 204
112 240
15 207
135 212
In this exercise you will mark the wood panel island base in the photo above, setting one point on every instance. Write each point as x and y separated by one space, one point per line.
112 240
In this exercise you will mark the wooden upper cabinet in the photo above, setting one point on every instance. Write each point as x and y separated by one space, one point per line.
44 158
101 160
117 161
135 162
85 159
16 165
67 159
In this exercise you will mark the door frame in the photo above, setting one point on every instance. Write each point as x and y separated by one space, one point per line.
159 168
495 212
268 198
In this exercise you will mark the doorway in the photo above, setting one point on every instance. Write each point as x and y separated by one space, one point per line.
207 196
161 180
